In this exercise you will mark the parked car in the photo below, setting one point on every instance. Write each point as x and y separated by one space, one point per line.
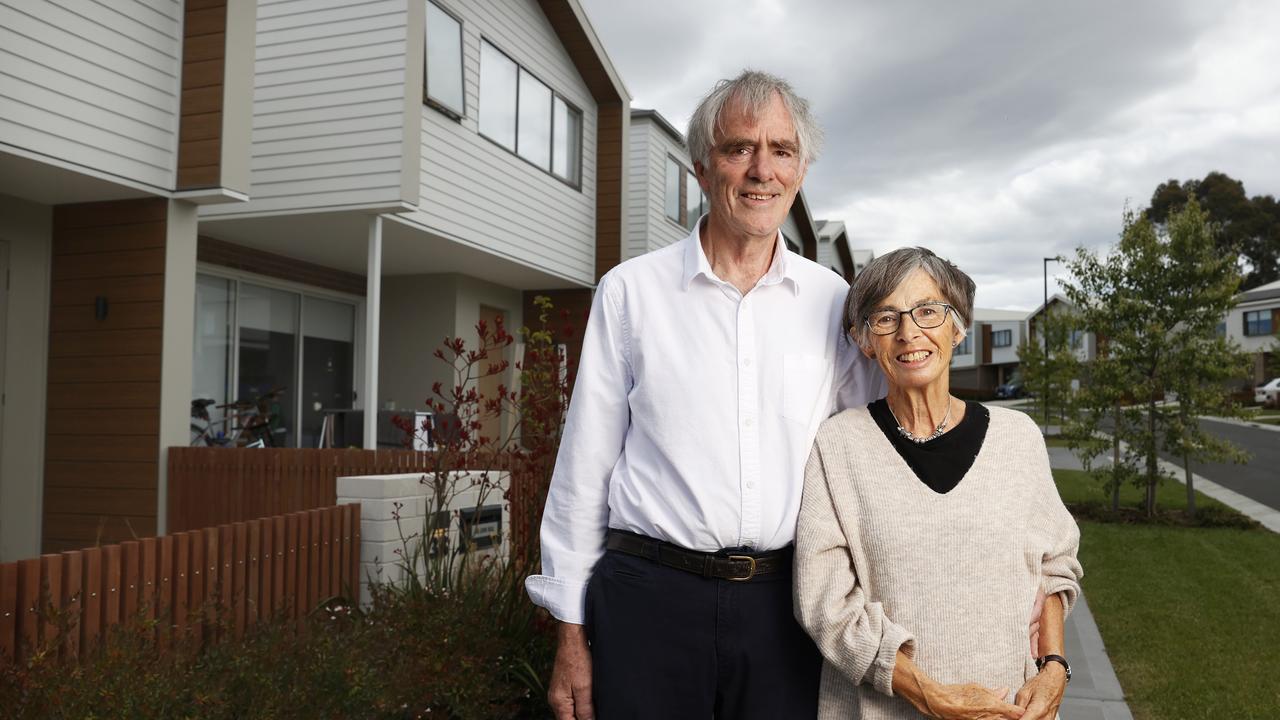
1012 389
1268 393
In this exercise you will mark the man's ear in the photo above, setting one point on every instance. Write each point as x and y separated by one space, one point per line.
700 172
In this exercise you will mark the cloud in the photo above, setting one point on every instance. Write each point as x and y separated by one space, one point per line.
996 133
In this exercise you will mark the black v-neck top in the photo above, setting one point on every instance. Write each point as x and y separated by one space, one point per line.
943 461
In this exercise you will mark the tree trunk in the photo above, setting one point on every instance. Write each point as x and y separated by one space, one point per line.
1153 474
1115 462
1191 491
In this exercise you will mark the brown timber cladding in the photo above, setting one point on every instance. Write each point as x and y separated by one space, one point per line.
219 252
211 486
204 46
102 426
267 567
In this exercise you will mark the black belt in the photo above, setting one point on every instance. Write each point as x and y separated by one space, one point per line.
723 565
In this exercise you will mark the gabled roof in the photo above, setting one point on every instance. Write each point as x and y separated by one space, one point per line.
660 121
1262 292
994 315
579 38
1058 298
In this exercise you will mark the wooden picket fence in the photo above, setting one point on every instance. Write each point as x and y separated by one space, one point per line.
279 566
210 486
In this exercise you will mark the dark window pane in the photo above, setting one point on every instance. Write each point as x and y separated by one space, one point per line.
498 78
444 58
328 353
566 147
268 355
534 144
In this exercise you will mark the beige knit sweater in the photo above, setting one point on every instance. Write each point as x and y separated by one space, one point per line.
883 562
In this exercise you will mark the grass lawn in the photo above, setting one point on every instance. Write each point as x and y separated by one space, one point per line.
1190 615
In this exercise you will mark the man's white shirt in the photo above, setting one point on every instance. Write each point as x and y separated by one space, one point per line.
694 411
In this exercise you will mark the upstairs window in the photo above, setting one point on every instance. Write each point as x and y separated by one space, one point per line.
672 200
684 201
443 75
522 114
965 347
1002 338
1258 322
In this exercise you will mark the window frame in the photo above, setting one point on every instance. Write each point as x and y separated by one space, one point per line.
997 334
436 104
237 277
1264 315
682 194
572 107
965 346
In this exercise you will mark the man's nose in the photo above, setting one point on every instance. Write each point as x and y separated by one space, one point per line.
762 166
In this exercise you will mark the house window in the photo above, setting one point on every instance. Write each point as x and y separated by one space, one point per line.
522 114
444 61
684 202
499 85
672 199
695 200
566 141
1002 338
255 340
1258 322
965 347
1077 339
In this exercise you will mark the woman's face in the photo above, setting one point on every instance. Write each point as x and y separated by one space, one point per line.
913 357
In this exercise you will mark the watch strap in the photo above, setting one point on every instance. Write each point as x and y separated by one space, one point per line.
1040 662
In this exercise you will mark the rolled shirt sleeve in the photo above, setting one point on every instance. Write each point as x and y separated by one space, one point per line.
1056 531
576 515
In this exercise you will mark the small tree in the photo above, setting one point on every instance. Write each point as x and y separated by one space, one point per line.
1154 303
1050 377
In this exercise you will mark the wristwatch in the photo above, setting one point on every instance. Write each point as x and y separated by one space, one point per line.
1040 661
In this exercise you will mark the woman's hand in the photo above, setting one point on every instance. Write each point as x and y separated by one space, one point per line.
1042 694
968 702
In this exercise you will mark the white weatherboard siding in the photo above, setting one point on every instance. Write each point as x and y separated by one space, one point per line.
648 226
328 105
93 82
791 231
1008 354
475 191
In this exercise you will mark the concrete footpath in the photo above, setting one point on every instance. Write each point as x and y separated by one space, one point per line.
1094 692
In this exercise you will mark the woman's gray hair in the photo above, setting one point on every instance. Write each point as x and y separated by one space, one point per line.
751 92
884 274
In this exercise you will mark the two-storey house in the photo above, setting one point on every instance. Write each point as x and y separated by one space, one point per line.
117 123
219 198
1254 323
988 355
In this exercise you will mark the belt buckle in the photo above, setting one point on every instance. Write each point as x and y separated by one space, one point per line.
751 570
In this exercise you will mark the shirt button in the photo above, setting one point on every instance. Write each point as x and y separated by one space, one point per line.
747 422
746 361
751 484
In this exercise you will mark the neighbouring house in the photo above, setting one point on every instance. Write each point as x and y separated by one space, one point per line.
835 251
218 198
988 355
1254 323
1084 344
664 199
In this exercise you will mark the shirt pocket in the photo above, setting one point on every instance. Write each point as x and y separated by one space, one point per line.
803 379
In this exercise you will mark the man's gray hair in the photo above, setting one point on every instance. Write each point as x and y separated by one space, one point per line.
751 92
884 274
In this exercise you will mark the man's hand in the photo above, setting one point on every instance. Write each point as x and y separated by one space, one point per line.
570 690
1037 608
1042 694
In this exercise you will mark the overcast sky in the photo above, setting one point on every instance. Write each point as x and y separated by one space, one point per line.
994 133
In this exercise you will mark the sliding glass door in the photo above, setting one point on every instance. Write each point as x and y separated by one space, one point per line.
253 340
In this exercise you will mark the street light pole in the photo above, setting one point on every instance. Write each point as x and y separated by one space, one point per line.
1044 330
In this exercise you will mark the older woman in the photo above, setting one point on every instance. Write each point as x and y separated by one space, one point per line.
929 524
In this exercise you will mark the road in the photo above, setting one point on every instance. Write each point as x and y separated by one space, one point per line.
1259 479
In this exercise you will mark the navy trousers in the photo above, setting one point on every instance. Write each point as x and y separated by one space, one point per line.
667 644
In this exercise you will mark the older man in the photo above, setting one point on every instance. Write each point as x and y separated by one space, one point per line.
706 368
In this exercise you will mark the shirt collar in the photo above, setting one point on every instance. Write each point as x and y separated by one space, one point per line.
696 263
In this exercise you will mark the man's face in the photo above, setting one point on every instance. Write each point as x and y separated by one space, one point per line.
754 172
